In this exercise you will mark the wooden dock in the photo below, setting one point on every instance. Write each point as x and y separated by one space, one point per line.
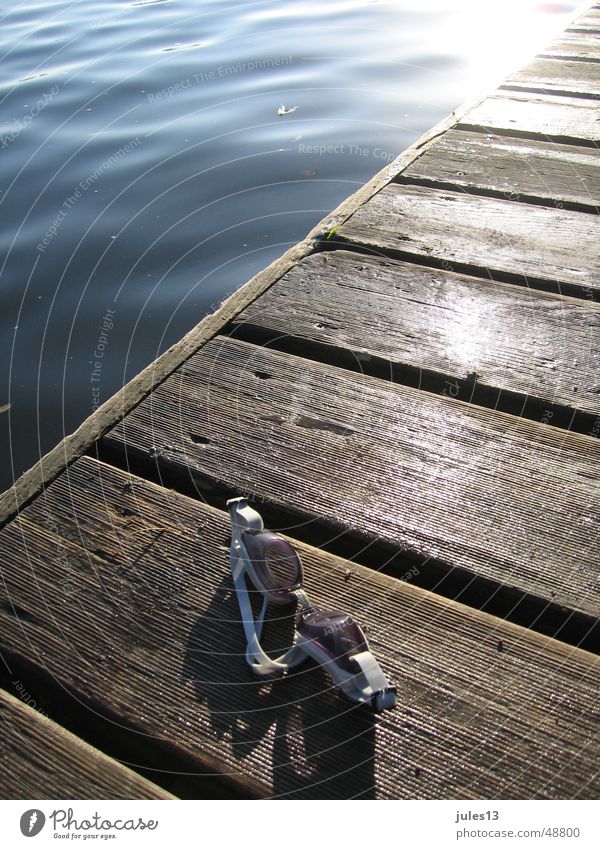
412 396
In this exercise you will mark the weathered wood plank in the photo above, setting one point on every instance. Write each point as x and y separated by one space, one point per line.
41 760
559 76
511 338
588 22
483 235
515 169
131 607
574 45
559 119
505 499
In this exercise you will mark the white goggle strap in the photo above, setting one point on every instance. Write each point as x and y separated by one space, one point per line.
243 517
370 686
256 657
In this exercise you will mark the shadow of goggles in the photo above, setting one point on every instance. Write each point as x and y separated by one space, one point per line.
330 637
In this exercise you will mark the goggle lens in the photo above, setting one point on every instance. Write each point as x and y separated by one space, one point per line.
336 633
275 562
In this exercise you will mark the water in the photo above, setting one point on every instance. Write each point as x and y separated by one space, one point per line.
145 172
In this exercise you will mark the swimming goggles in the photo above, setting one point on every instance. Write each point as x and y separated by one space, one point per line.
332 638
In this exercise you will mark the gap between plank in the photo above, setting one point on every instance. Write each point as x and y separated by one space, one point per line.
558 92
479 191
581 293
567 58
468 390
157 762
529 135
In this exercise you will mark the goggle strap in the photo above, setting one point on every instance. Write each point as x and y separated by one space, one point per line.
261 619
256 657
377 688
243 516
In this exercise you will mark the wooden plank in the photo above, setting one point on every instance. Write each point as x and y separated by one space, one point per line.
504 499
482 235
132 608
588 22
515 169
558 76
512 338
41 760
559 119
575 45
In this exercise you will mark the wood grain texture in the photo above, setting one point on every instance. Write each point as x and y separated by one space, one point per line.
575 45
588 22
515 169
559 76
502 498
41 760
124 594
486 235
512 338
560 119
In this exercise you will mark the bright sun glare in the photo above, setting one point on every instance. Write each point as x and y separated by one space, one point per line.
496 38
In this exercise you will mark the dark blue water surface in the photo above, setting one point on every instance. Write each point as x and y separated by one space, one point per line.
146 174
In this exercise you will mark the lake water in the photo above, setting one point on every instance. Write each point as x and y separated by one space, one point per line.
146 173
